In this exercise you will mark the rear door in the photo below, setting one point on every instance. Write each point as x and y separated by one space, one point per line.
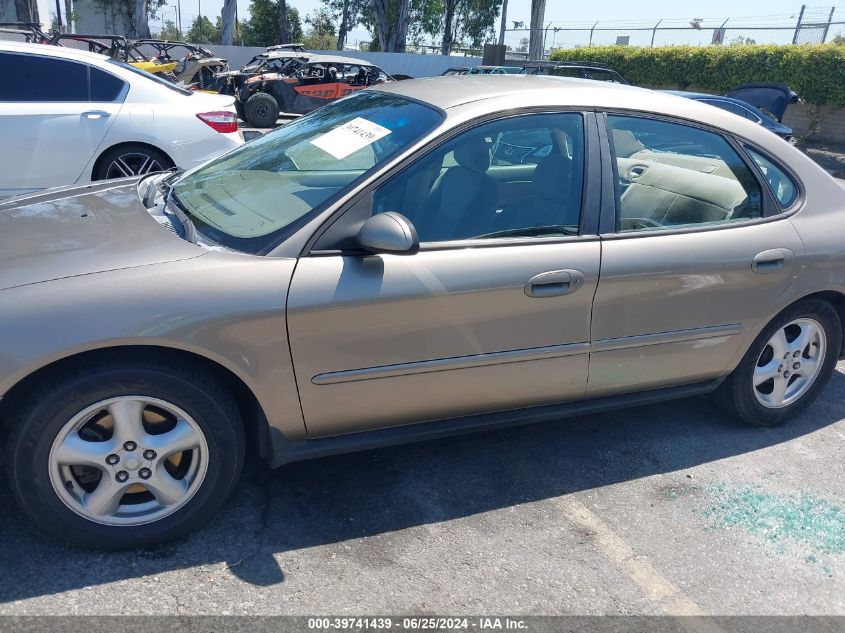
698 256
54 114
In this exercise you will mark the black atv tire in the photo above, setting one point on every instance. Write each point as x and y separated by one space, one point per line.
261 110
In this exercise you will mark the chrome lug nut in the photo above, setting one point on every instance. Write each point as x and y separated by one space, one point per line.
786 374
149 454
122 476
130 446
145 473
796 354
796 365
112 459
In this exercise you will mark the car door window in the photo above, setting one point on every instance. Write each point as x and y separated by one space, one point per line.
30 78
671 175
459 190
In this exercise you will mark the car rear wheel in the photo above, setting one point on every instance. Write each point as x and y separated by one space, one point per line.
787 367
131 160
261 110
127 453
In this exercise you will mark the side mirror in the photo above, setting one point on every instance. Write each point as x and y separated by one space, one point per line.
389 232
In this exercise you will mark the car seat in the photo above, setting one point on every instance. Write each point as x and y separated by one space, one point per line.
462 202
552 200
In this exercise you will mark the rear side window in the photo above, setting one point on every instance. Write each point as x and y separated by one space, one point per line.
105 87
30 78
672 175
784 188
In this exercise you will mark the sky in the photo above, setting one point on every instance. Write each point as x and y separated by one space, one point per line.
611 13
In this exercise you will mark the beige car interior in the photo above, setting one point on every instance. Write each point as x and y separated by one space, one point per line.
670 189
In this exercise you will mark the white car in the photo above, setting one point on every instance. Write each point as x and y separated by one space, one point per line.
70 117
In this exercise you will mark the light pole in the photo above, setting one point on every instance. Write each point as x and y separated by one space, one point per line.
179 18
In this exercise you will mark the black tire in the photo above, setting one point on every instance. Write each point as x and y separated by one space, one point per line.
239 108
736 395
261 110
47 408
104 169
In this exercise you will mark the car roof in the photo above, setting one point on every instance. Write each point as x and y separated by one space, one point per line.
479 95
52 51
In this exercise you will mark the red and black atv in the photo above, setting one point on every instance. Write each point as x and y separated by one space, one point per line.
303 86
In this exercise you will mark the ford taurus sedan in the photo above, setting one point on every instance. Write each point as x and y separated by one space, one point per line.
374 273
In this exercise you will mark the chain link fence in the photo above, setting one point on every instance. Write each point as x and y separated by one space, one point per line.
807 25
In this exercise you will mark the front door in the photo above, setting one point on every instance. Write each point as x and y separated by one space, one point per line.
493 312
694 264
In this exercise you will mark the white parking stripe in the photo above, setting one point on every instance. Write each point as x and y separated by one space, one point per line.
637 568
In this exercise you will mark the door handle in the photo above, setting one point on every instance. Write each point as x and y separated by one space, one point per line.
554 283
771 261
96 114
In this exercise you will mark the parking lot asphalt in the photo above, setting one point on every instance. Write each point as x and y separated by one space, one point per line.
670 508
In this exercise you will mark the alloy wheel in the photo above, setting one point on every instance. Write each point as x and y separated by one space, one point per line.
789 363
132 164
129 460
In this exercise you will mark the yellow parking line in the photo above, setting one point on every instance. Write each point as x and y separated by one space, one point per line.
638 568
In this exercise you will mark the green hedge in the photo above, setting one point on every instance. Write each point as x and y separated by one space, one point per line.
815 72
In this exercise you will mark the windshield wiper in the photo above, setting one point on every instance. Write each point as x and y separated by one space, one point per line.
172 202
534 231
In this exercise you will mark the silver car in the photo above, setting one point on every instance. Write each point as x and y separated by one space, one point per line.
426 258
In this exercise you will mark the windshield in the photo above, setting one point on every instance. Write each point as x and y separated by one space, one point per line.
254 197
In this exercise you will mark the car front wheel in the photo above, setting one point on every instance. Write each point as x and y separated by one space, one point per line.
129 452
787 367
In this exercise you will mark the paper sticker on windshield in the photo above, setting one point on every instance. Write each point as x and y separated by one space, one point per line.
350 137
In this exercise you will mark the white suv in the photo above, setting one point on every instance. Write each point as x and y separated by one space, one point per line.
70 116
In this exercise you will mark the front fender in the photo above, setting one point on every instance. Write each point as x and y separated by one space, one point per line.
225 307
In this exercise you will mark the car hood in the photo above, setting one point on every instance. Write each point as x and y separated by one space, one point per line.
75 231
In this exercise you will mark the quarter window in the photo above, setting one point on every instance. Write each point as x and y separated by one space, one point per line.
516 177
105 87
672 175
784 188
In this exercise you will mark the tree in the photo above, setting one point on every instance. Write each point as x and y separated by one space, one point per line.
504 23
448 27
468 22
135 14
321 35
202 31
740 40
523 45
169 31
349 14
262 28
535 40
838 39
227 15
475 21
390 23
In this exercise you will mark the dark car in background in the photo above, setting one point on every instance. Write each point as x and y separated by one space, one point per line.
577 69
762 103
